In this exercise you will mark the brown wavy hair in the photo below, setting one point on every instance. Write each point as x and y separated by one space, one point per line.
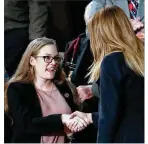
110 31
25 72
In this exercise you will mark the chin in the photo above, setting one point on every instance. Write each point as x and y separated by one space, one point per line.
50 77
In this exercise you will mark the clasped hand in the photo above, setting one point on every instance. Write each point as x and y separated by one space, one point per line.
76 121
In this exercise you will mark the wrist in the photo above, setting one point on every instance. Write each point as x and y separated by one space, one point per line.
89 115
63 118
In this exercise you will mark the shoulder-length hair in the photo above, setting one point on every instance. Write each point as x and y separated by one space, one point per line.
110 30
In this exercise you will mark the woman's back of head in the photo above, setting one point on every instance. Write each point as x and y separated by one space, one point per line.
110 30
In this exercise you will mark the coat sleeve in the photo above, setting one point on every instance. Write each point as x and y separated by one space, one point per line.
96 89
22 115
110 88
38 16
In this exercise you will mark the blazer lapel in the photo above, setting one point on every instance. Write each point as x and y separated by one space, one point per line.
34 100
67 94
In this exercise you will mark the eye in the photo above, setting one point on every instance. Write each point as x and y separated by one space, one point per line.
47 58
58 59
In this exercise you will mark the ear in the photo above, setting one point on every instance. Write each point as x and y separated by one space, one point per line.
32 60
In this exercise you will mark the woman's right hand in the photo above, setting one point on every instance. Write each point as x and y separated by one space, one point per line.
75 124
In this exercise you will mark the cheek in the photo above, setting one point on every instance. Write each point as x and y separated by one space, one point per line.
40 68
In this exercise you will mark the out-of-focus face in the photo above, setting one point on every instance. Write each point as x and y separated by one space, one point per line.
46 62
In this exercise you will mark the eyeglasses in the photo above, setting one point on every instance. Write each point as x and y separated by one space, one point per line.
48 59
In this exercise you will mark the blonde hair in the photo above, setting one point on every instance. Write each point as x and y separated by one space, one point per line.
110 30
25 72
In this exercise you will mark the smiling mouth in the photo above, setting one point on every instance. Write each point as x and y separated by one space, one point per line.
51 69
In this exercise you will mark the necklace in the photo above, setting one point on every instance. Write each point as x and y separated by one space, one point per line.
51 90
46 92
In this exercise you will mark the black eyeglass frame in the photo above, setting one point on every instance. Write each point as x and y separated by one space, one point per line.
51 58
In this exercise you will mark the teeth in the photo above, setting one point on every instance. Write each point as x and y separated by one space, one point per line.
51 69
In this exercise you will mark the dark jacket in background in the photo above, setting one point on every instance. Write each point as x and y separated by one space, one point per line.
123 4
121 108
82 59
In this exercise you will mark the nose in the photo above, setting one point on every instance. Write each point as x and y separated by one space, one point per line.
53 62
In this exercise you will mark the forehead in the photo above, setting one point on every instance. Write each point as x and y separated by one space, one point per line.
48 49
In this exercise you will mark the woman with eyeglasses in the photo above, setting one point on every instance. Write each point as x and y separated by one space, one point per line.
38 97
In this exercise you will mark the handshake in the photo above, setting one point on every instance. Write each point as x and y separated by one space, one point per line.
76 121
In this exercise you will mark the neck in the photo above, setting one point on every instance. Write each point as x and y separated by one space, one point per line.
43 84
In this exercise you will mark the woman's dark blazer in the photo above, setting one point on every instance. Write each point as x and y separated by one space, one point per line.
121 108
25 110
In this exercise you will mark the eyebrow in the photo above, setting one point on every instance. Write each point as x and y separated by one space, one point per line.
50 54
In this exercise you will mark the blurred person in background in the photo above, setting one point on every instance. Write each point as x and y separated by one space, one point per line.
134 9
24 20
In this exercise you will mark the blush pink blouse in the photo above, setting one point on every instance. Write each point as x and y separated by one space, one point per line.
52 102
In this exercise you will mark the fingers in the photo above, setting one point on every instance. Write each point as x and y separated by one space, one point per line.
84 92
76 113
75 125
73 115
72 124
84 89
77 121
82 122
136 24
85 96
79 126
84 119
78 129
